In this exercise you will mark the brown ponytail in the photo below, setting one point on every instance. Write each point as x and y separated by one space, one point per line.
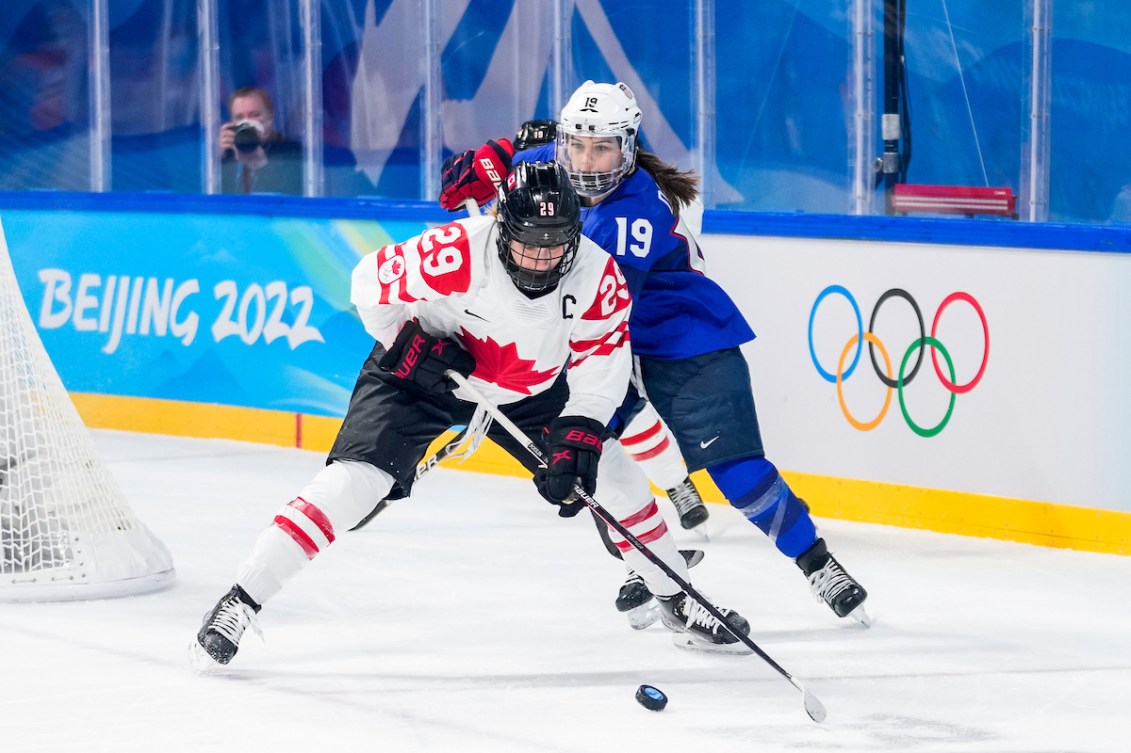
680 187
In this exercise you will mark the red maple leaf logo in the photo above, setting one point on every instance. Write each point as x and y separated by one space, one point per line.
502 365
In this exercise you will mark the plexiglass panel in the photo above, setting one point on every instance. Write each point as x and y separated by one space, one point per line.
784 104
782 114
966 67
1090 171
44 96
653 52
155 123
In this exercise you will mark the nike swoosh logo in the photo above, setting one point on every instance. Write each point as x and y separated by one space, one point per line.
469 312
709 442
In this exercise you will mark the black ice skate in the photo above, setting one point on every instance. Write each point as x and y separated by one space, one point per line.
688 504
636 601
698 629
831 584
219 636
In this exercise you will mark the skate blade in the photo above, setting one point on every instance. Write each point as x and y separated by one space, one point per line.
696 525
861 616
643 616
689 642
701 531
201 661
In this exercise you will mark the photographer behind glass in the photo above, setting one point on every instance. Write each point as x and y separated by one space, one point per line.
254 156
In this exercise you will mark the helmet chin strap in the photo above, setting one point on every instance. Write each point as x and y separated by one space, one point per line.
536 294
590 201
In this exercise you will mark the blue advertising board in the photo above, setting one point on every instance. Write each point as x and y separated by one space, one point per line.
242 310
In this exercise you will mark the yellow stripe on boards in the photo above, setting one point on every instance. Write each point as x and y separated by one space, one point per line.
1043 523
206 420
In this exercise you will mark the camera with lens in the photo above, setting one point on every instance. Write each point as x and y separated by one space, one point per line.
248 135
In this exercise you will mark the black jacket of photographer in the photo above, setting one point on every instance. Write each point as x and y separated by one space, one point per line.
282 173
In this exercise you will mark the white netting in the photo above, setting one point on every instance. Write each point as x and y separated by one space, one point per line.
66 531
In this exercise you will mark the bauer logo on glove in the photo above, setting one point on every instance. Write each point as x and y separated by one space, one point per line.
422 359
573 446
474 174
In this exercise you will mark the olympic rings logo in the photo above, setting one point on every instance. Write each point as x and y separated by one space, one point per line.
905 376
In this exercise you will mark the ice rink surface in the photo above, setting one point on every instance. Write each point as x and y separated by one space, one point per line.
471 618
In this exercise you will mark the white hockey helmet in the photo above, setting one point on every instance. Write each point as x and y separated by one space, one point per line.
599 110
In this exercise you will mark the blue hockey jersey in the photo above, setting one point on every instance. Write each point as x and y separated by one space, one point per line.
678 312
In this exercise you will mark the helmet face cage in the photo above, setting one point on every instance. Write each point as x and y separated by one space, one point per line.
537 209
596 184
594 111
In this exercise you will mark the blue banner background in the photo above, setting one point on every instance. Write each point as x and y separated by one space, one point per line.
222 265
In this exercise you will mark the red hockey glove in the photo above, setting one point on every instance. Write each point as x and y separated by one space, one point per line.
573 449
422 359
474 175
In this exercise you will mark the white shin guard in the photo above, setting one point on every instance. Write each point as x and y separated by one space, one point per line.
623 490
334 501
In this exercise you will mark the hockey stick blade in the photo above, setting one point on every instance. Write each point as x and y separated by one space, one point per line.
692 557
813 706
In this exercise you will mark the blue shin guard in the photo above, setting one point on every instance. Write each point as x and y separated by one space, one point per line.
754 487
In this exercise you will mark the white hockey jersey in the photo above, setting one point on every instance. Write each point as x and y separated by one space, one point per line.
450 278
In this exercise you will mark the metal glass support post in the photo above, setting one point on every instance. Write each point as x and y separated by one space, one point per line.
313 175
431 136
861 152
560 84
703 60
99 78
208 32
1037 101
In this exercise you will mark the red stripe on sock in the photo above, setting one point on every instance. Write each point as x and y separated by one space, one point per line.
642 436
648 511
656 533
649 454
647 538
288 527
317 517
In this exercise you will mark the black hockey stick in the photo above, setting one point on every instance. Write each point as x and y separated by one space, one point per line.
813 706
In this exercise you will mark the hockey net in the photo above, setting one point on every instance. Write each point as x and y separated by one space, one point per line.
66 531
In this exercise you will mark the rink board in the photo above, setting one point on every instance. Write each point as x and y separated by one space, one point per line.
963 388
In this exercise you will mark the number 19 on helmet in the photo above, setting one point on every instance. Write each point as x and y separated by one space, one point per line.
596 137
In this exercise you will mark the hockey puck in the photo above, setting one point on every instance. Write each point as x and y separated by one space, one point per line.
651 698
